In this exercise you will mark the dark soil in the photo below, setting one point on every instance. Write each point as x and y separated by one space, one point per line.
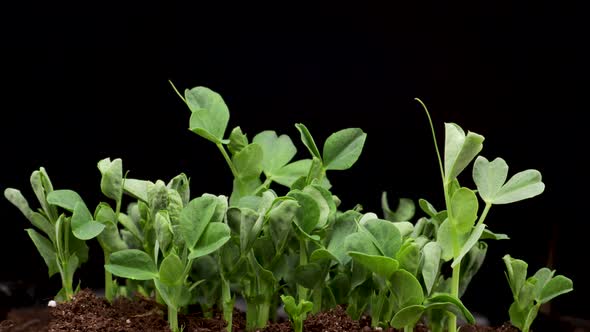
87 312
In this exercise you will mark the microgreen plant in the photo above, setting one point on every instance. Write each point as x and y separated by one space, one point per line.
62 245
530 293
280 235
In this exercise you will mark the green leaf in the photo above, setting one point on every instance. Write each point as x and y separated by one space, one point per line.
210 114
132 264
344 225
111 183
464 206
489 177
380 265
386 236
323 198
408 316
471 241
460 149
308 140
37 219
517 316
522 185
137 188
427 207
280 218
361 242
237 140
526 296
447 238
309 214
64 198
215 235
131 226
171 270
45 249
319 255
181 185
431 264
248 162
516 271
450 303
487 234
404 212
110 239
171 294
277 151
542 276
42 186
309 275
241 221
343 148
406 289
289 173
195 217
83 227
409 256
164 232
555 287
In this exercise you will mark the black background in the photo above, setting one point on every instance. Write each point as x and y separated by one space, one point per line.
82 84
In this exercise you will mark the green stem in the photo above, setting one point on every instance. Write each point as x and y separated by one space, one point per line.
302 292
173 318
251 315
484 214
263 186
317 300
227 302
108 279
376 312
263 312
298 325
452 326
440 165
227 160
408 328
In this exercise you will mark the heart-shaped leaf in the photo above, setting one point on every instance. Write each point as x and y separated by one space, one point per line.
386 236
309 214
210 114
277 150
489 177
288 174
407 290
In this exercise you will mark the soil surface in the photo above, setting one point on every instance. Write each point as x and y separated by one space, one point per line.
87 312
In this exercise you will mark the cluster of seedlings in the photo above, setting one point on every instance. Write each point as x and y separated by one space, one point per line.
280 237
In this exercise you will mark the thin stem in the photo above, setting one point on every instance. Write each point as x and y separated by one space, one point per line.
227 160
484 214
263 312
251 315
176 90
263 186
408 328
452 326
302 291
108 279
440 165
